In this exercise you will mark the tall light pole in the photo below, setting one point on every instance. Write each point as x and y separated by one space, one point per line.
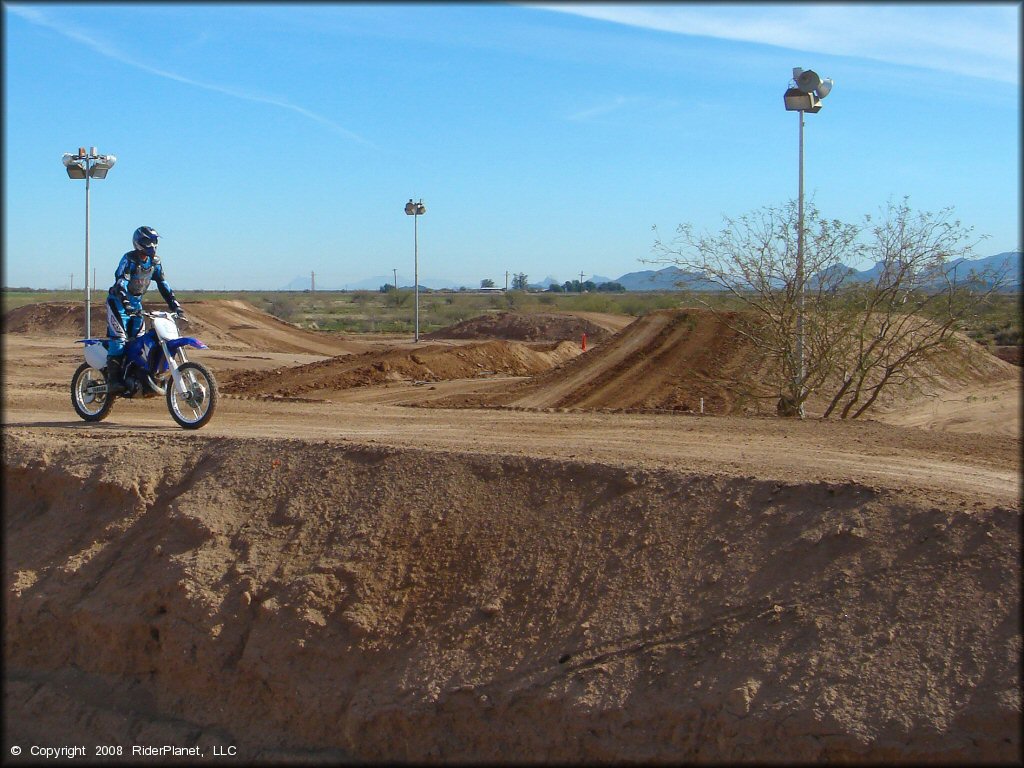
88 165
416 210
804 95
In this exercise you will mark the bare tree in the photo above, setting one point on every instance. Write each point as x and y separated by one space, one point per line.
753 259
921 298
859 337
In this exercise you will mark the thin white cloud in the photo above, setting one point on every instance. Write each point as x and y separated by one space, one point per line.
973 39
36 17
599 110
613 104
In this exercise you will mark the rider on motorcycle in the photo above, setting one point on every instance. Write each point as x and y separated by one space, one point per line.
124 299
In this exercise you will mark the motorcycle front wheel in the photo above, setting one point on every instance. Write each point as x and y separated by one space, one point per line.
193 407
87 402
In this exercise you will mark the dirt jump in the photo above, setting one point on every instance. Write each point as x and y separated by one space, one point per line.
574 565
535 327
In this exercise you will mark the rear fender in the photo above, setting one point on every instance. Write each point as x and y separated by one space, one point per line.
95 352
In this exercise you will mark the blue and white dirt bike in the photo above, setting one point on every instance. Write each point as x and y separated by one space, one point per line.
155 363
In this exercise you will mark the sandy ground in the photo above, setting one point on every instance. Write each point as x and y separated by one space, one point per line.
590 572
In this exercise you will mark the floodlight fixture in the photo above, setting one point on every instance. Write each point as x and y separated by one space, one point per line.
807 80
74 166
101 165
87 165
797 100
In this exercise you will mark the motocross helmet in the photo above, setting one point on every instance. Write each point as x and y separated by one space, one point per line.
144 240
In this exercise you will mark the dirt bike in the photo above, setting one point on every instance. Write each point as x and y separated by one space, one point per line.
155 363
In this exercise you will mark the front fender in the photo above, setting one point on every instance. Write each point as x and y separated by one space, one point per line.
173 345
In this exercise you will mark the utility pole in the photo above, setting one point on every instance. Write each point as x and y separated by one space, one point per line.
506 281
581 282
312 281
395 270
71 285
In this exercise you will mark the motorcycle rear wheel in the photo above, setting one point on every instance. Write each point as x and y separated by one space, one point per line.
91 406
195 407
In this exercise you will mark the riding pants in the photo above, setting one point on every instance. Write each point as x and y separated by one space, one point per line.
122 326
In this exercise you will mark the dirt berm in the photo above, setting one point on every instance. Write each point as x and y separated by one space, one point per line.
312 600
541 326
224 324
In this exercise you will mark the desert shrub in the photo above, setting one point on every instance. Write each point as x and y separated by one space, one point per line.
283 307
640 304
591 302
1006 337
400 298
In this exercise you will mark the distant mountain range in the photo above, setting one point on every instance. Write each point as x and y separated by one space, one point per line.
1008 262
666 279
675 279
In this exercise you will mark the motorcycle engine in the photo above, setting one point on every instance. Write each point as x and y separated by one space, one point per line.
131 386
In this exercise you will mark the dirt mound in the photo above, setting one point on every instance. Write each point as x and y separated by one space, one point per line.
519 326
56 318
318 600
223 324
695 359
432 362
238 325
667 360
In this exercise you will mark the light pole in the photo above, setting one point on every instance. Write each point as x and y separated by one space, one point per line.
88 165
416 210
804 95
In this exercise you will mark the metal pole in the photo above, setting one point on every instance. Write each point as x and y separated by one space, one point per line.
88 302
416 269
799 382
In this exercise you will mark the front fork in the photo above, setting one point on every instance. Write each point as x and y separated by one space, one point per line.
172 364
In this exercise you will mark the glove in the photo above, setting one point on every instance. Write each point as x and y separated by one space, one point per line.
179 313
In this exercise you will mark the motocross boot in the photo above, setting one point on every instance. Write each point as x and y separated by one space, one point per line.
115 375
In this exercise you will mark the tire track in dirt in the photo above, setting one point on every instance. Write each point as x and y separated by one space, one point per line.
667 360
549 391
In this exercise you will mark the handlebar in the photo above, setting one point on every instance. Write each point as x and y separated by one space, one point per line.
162 313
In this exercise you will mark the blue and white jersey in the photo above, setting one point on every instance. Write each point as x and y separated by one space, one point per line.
132 278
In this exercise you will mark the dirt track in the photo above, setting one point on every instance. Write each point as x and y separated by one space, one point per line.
349 579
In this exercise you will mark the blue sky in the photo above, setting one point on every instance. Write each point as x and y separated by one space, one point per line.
267 141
